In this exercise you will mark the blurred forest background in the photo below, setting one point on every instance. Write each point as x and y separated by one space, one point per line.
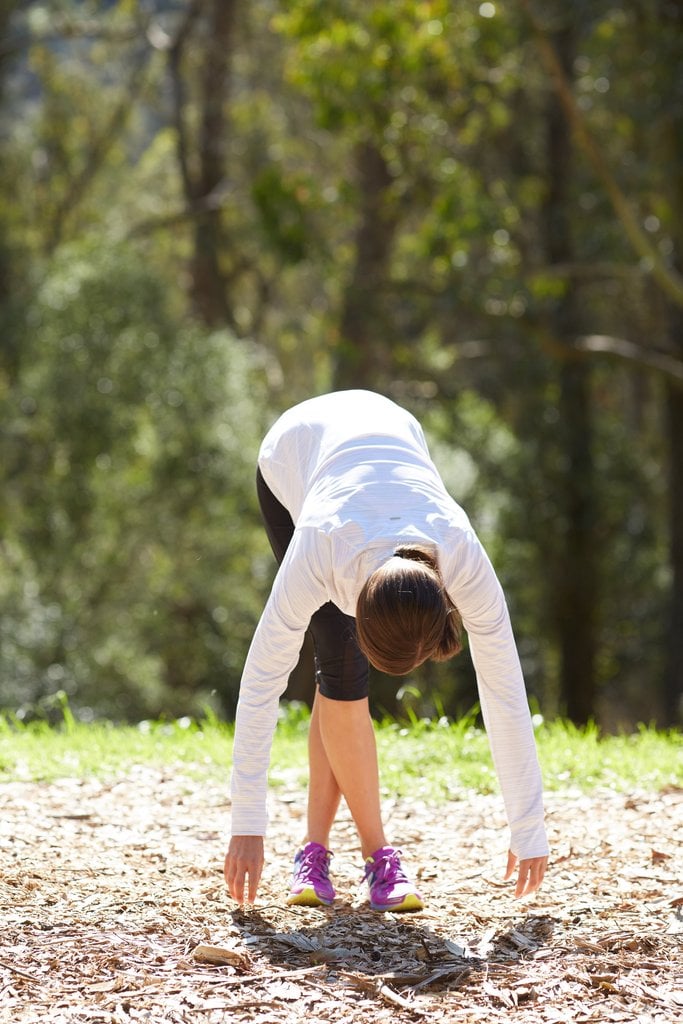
212 209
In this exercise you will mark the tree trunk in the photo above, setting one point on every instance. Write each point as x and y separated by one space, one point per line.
210 288
671 26
673 682
575 581
362 352
203 171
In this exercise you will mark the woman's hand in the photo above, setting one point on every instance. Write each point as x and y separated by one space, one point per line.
530 874
244 858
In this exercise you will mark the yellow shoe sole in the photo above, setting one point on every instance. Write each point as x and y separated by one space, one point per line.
410 902
305 898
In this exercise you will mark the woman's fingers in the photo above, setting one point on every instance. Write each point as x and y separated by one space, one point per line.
244 860
530 874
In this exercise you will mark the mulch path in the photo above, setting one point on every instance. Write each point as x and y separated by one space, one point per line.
113 909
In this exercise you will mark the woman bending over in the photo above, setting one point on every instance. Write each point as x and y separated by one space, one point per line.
383 567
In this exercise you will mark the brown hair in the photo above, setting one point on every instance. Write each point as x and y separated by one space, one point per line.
404 615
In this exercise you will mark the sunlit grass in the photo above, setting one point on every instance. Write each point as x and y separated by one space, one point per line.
41 752
432 760
439 760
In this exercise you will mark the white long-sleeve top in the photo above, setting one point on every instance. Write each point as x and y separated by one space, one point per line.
354 471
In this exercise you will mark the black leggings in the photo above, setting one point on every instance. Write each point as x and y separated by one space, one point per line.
341 670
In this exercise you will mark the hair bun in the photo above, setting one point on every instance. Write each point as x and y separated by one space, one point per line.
417 553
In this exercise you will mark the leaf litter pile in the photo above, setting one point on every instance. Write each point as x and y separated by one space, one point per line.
113 909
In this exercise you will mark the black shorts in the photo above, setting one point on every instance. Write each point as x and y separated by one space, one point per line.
341 670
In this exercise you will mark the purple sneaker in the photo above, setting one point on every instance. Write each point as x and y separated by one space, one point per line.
311 885
390 889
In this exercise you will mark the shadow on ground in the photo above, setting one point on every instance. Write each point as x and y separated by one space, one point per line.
404 951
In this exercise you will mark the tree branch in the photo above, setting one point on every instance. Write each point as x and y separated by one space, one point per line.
64 29
78 184
198 208
664 364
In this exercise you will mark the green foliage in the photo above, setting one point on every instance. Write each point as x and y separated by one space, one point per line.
129 517
281 213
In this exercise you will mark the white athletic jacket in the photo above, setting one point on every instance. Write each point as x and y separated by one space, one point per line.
354 472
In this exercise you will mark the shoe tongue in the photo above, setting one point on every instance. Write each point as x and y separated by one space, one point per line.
315 846
384 851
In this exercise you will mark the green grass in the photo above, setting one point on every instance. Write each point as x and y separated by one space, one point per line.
434 760
442 760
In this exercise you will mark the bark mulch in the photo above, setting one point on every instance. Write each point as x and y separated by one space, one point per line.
113 909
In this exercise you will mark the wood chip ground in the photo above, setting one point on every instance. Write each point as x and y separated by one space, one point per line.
113 909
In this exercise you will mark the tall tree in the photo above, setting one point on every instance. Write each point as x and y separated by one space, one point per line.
655 33
576 566
671 127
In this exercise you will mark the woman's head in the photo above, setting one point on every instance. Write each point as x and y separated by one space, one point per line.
404 615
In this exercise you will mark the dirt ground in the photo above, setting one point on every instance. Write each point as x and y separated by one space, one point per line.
113 909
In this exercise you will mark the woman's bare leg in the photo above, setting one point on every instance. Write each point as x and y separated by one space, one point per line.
323 791
343 759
